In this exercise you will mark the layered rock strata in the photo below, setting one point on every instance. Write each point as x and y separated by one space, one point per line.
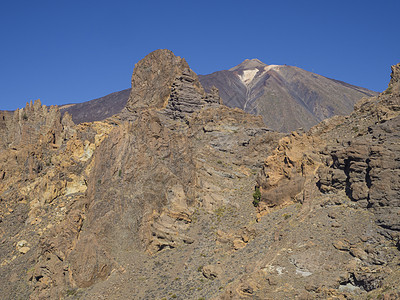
156 202
104 196
343 178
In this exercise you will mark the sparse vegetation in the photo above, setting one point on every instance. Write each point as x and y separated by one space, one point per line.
286 216
388 90
24 116
71 292
220 211
119 172
256 196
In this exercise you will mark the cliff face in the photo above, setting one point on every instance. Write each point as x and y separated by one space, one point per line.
157 200
117 196
152 80
30 125
344 176
45 161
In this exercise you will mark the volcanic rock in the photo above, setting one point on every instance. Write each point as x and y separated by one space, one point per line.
145 202
152 80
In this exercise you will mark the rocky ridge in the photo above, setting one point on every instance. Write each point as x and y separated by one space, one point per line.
286 97
340 184
156 202
108 196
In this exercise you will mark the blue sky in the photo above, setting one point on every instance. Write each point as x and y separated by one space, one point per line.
74 51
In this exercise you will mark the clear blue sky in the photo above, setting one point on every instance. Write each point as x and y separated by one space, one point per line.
74 51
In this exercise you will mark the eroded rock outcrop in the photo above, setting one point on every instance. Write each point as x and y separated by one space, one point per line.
33 124
152 79
157 201
101 197
45 161
336 189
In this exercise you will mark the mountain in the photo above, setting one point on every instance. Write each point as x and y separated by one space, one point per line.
180 197
286 97
97 109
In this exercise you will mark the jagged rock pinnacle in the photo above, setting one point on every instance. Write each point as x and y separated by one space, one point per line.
152 79
162 80
394 84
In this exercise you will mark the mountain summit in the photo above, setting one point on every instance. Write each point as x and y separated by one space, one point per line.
286 97
249 64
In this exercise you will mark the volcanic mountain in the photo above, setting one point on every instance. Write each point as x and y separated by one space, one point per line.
286 97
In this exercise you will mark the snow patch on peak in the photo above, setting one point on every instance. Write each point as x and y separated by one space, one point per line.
272 67
248 75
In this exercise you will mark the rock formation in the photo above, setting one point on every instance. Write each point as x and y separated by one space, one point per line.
156 201
338 186
152 80
107 195
286 97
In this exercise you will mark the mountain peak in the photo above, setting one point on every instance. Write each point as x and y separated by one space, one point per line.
249 64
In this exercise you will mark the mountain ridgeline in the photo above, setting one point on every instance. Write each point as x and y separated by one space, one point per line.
286 97
178 196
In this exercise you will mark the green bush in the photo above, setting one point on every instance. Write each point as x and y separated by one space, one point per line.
256 196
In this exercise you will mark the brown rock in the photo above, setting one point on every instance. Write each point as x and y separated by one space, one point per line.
341 245
238 244
24 250
359 253
152 79
212 271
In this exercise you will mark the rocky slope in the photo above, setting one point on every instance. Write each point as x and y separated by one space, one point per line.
94 205
156 202
97 109
339 187
286 97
